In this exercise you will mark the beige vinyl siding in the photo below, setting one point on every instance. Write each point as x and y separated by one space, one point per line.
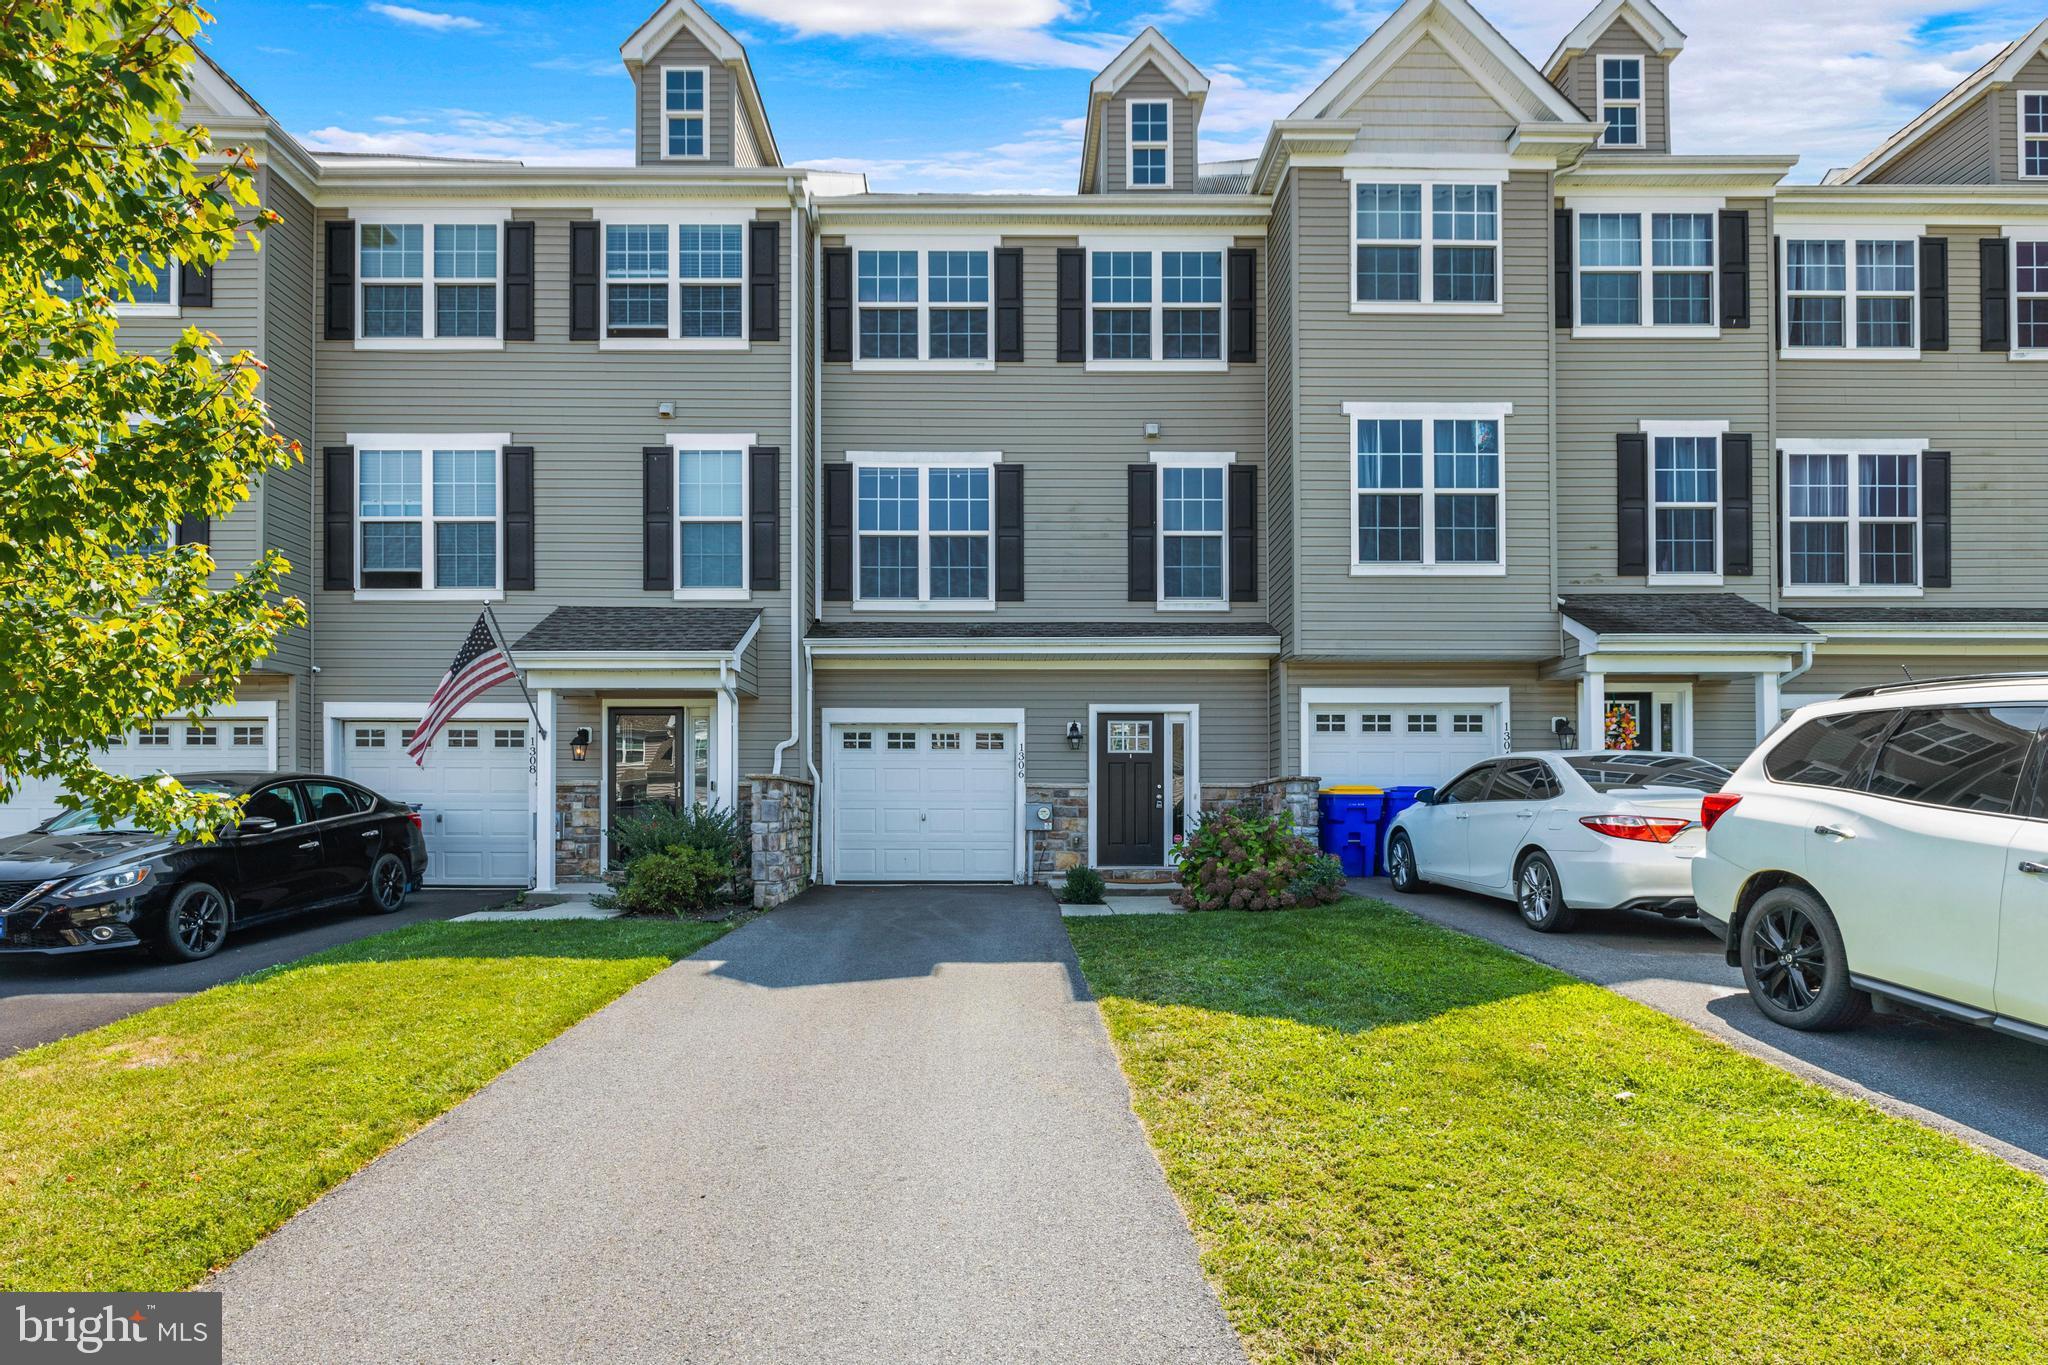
1232 722
1606 387
2005 127
586 412
1838 670
1622 40
1342 357
1148 82
1723 718
1532 701
1962 151
719 145
1073 432
1279 286
1428 102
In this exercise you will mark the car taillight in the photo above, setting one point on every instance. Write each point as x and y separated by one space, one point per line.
1641 828
1716 806
414 816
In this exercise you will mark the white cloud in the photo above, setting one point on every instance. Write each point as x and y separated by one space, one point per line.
1011 31
470 133
435 20
583 66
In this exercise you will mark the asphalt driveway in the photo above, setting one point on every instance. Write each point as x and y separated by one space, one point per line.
879 1124
46 998
1986 1088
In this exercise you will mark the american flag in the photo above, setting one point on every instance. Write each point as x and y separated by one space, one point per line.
480 665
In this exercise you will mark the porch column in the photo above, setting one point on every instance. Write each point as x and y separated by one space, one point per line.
1767 705
544 792
725 751
1593 710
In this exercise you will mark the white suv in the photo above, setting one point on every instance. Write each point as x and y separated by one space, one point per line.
1892 844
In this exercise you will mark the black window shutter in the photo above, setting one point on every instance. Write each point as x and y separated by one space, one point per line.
1244 305
1934 293
341 280
1009 303
1561 267
519 280
1073 314
1632 504
657 518
1936 535
1009 533
1143 521
1780 529
195 531
195 285
584 314
838 303
1244 533
518 518
764 517
338 522
839 533
1994 321
764 281
1777 292
1734 251
1738 506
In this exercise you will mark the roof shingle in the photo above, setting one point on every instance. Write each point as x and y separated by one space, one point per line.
1686 613
652 630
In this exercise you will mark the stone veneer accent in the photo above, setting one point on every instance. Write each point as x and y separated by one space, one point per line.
1297 797
1065 845
781 823
577 843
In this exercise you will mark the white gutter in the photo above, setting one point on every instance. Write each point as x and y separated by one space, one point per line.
796 483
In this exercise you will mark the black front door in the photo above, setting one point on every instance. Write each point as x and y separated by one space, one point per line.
647 762
1631 721
1130 782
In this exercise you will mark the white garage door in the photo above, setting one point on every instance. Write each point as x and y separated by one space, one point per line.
221 743
924 803
472 794
1386 744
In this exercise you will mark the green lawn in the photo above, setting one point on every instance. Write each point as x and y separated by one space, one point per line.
1395 1142
144 1154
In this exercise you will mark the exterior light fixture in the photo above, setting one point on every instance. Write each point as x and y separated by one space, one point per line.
1073 734
1567 734
579 746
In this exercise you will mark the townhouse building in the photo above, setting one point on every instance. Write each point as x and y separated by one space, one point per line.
973 536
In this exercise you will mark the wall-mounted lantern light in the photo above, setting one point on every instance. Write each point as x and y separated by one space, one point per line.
1073 734
579 745
1567 734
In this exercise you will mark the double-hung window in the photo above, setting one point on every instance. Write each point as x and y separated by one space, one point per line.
2033 106
1156 307
711 514
1685 500
1193 571
1621 101
1428 488
1852 516
675 282
428 513
1151 144
1845 293
921 304
2030 297
924 531
1425 245
429 281
684 91
1638 269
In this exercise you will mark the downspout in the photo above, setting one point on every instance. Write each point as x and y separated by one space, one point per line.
796 483
817 363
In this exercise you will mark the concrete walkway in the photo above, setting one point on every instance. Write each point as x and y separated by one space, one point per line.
877 1125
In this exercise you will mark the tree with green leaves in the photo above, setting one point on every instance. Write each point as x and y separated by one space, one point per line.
103 450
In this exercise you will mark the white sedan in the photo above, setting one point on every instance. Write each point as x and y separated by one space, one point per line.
1558 833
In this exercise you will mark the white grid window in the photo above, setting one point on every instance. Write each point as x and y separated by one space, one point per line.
1645 270
1427 494
513 737
945 739
1420 723
711 519
1850 294
922 306
1151 144
1685 506
1130 736
856 739
2030 295
902 740
428 516
427 281
153 737
925 534
988 740
464 737
1468 723
368 738
405 736
1375 723
1156 308
247 736
1192 571
675 283
2033 134
1852 521
1329 722
1425 244
1621 101
684 91
202 737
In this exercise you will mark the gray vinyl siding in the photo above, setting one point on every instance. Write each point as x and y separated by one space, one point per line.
1232 721
1427 102
1608 387
2005 129
1073 432
587 413
686 50
1343 357
1532 701
1149 82
1582 85
1723 718
1835 671
286 504
1279 287
1962 151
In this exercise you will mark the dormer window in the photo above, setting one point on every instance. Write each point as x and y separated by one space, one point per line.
1151 142
683 103
2033 135
1621 101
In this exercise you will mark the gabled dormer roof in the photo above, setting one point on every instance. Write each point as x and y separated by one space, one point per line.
1494 62
672 18
1665 38
1149 46
2002 70
219 92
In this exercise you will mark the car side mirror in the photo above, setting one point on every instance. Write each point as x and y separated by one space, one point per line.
1426 797
256 824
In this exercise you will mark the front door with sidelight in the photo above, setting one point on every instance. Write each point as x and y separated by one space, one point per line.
658 757
1130 785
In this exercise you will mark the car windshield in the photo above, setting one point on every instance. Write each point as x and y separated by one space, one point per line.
87 820
1647 772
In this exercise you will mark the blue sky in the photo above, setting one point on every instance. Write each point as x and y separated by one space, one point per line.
988 94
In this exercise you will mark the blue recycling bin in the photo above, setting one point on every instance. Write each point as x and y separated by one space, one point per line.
1349 828
1397 799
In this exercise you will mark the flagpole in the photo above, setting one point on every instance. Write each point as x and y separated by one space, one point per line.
517 676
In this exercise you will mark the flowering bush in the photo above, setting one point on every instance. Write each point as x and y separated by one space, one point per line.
1243 860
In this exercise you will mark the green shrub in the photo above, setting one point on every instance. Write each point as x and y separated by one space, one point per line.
683 881
1242 859
1084 886
657 829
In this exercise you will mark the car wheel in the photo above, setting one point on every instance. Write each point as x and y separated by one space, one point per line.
195 924
385 893
1540 897
1401 868
1794 963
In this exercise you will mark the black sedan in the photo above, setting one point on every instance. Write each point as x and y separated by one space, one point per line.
305 842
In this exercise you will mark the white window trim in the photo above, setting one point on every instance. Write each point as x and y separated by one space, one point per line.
1710 430
2014 236
923 246
742 442
1853 447
1640 103
671 219
1428 414
1849 234
1132 146
426 445
427 221
1647 210
1158 245
169 273
662 109
1426 181
1165 459
925 461
2021 136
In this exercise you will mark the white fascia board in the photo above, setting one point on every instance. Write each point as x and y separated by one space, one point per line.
1851 445
1651 426
1675 200
1454 23
672 18
1151 45
1651 24
1448 412
1253 646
